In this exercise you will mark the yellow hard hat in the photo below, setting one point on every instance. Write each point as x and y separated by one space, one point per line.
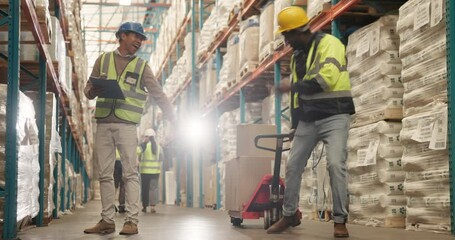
291 18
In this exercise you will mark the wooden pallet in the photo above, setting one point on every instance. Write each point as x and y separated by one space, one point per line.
278 44
232 83
361 8
247 69
266 52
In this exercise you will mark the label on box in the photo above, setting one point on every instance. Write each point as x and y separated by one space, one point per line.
422 16
423 131
438 140
363 45
361 154
436 12
374 40
370 158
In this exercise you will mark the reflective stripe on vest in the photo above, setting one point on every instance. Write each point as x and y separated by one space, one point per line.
330 73
150 163
129 81
117 154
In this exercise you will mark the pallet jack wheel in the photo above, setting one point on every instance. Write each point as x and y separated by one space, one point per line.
271 216
267 219
236 221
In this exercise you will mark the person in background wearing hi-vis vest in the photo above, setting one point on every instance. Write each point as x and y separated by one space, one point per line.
150 157
321 104
117 121
118 182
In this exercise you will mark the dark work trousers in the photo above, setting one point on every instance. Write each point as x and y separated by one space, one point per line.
149 189
118 182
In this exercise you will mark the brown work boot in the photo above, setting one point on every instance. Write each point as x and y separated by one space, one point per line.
152 209
101 227
284 223
129 228
340 230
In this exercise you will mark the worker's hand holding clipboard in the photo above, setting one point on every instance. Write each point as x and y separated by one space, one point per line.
109 88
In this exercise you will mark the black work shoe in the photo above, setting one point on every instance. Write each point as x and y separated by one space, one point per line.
340 230
144 209
284 223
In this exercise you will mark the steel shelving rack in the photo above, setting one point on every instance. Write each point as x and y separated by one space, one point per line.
47 80
262 70
276 60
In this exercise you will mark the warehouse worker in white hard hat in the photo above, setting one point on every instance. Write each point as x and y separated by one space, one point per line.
117 120
150 157
321 104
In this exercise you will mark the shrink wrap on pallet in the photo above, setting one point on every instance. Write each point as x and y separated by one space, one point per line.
266 29
249 42
27 161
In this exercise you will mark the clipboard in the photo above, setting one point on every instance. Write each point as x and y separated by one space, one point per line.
111 89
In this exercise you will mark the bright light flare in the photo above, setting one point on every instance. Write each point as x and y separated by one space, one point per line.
195 131
124 2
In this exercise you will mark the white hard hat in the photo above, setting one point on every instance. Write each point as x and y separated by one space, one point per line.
149 133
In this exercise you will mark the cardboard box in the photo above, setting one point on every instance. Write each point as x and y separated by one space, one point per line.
243 175
210 186
245 140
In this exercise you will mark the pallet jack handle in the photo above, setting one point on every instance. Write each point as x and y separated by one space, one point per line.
280 139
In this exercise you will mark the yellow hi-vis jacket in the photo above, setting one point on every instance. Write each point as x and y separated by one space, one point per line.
325 89
150 162
130 109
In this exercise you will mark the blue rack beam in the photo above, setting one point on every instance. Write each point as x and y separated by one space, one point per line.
450 18
9 227
42 138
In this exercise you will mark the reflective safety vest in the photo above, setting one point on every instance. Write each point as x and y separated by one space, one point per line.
117 154
150 163
130 109
325 64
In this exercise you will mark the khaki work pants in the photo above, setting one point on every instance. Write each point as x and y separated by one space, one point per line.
124 137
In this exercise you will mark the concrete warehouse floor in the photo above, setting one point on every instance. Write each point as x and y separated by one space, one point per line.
175 223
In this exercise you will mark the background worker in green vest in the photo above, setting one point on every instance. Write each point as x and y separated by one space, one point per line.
150 156
117 120
321 104
118 182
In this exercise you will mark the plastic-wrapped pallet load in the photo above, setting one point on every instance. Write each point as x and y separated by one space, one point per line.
266 30
425 160
249 45
229 69
375 68
28 52
422 30
317 6
376 176
28 164
178 76
52 147
172 20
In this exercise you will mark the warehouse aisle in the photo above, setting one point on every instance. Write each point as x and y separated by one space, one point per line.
175 223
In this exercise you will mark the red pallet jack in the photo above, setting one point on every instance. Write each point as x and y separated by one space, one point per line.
267 200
